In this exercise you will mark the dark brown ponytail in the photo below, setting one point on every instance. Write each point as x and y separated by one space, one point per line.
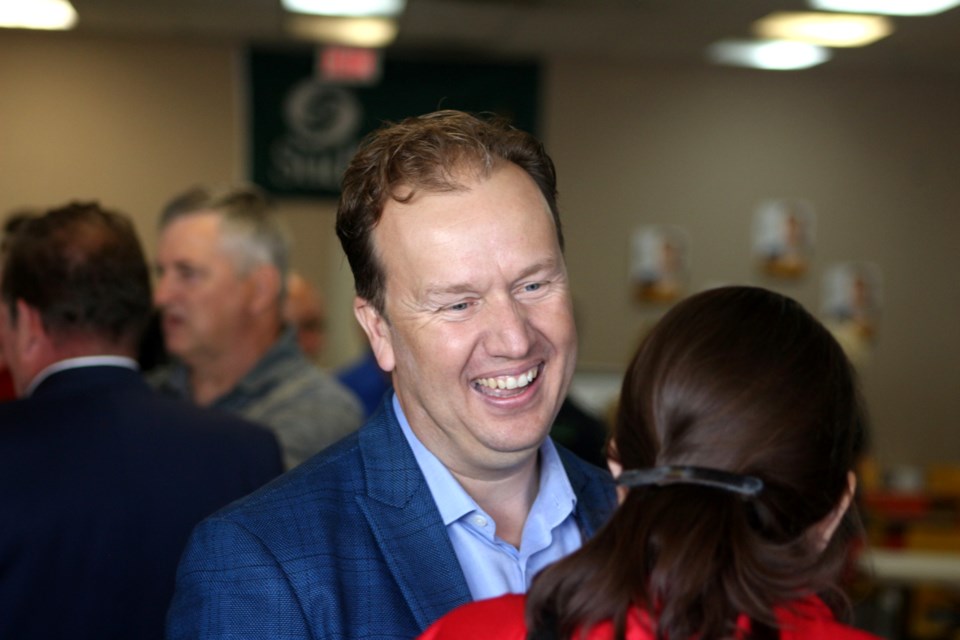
740 380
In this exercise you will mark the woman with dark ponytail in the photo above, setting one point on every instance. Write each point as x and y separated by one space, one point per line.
735 439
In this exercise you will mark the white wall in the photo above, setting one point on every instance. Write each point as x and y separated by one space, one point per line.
878 156
131 122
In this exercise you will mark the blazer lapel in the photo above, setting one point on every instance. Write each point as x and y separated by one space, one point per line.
406 523
596 493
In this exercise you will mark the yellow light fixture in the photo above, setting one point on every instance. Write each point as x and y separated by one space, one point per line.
351 32
825 29
37 14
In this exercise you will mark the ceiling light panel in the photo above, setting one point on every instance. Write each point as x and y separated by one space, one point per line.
826 29
779 55
887 7
37 14
346 8
350 32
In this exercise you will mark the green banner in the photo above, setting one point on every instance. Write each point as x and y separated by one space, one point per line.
303 130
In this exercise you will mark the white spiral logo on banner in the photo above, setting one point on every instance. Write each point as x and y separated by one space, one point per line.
322 116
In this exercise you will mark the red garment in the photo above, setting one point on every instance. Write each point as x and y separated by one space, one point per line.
7 391
502 619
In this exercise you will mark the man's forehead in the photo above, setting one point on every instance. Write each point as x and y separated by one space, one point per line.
461 175
198 234
455 284
194 221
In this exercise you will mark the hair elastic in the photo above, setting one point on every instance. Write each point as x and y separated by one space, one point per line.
660 476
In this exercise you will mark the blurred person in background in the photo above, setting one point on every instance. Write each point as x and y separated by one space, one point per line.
735 441
221 266
305 310
101 478
366 379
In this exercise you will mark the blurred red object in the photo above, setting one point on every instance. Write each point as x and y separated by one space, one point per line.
896 506
7 391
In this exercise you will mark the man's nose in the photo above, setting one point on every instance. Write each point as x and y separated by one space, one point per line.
509 334
161 290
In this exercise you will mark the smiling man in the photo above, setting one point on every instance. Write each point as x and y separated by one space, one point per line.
453 490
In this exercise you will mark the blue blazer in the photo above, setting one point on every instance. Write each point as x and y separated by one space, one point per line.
350 544
101 482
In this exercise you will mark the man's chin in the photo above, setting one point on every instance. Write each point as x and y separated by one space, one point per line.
177 349
519 438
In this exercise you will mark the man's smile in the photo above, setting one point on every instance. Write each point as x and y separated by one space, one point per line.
505 386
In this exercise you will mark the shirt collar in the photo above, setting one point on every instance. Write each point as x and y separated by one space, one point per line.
177 377
454 502
264 371
76 363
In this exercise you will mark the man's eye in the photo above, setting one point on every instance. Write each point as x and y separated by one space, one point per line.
460 306
533 286
188 273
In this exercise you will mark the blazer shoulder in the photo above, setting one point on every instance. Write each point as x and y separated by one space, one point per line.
595 490
580 471
325 483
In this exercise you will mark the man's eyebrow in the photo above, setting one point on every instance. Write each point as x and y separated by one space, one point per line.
177 265
445 290
546 265
461 288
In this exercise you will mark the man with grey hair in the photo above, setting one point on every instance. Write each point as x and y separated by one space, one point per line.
221 267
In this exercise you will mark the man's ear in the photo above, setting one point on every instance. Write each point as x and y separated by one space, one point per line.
30 332
824 530
378 332
265 286
33 347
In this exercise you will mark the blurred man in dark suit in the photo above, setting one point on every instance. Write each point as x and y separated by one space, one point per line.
101 478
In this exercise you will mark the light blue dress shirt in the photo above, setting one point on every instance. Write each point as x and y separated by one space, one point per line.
491 566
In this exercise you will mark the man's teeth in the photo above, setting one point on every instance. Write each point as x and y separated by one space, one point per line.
510 382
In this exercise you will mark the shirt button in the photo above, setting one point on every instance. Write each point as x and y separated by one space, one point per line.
478 521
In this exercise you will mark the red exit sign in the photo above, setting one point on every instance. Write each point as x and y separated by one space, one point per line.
348 65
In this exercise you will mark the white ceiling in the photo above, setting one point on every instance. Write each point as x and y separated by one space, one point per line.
657 30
